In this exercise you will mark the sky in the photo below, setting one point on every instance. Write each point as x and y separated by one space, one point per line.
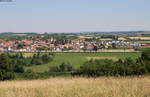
74 15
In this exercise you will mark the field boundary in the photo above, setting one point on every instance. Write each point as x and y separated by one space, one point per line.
75 52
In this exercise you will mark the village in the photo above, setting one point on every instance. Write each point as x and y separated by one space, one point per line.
75 45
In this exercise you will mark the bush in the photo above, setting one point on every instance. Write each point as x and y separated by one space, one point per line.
6 68
36 59
6 75
29 71
120 68
61 68
46 58
96 68
18 69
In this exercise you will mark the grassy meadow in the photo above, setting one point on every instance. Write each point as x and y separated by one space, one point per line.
77 59
78 87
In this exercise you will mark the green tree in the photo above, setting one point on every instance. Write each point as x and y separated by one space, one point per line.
6 69
18 69
95 48
145 59
46 58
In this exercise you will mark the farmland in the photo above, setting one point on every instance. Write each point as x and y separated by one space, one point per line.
78 87
77 59
140 38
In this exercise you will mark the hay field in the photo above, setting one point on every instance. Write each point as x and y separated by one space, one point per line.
101 58
122 38
78 87
141 38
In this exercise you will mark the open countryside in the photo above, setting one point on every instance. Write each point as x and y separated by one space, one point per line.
77 59
78 87
74 48
74 65
140 38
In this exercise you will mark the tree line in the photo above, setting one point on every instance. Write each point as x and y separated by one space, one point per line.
126 67
10 64
35 59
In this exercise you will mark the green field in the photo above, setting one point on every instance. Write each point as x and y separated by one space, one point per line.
77 59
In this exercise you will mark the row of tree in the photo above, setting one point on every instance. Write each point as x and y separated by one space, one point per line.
63 67
127 67
14 63
35 59
9 65
7 68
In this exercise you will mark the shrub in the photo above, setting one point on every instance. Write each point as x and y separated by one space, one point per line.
61 68
6 69
18 69
120 68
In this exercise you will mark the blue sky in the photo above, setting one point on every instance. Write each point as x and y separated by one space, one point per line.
74 15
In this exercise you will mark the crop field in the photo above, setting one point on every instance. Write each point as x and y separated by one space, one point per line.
78 87
77 59
122 38
146 42
141 38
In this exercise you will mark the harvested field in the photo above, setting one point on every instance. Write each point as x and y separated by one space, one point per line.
122 38
78 87
141 38
109 58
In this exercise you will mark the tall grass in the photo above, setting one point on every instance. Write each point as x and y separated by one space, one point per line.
78 87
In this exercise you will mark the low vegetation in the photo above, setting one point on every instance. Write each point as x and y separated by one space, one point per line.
105 67
78 87
10 64
77 59
35 59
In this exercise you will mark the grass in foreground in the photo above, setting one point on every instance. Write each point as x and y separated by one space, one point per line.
78 87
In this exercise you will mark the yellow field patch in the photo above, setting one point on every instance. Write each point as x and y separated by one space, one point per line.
98 58
78 87
141 38
85 37
105 39
116 50
20 34
28 54
122 38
